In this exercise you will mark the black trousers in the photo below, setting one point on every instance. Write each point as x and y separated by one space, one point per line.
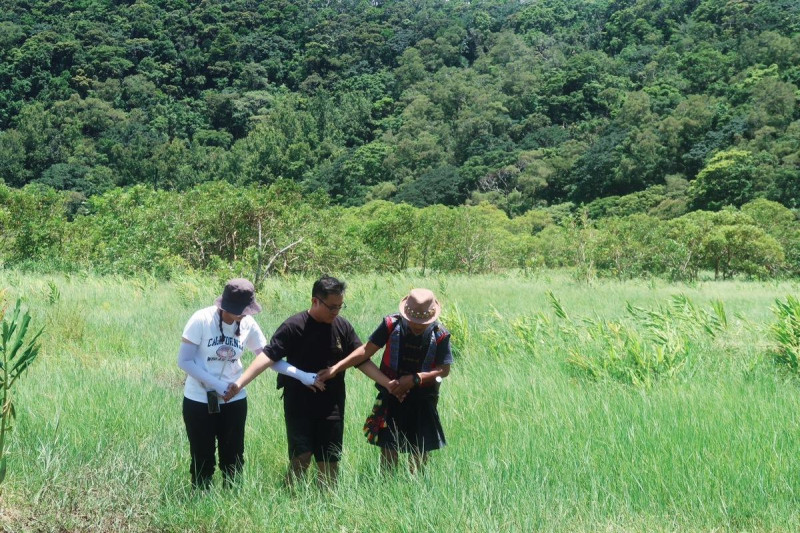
207 431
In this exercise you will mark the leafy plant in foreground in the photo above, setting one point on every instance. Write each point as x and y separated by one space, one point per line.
16 356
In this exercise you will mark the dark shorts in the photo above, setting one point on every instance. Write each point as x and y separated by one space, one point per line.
413 425
320 436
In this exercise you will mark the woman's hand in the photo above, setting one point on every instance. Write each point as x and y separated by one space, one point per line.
319 384
314 383
232 390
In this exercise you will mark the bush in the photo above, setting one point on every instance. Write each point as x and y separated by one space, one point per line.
786 332
16 356
654 346
617 351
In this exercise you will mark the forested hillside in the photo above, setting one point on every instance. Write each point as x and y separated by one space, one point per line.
687 104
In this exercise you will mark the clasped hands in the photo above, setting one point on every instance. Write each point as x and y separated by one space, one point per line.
397 387
231 391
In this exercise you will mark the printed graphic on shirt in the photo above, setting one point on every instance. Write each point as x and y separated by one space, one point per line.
224 353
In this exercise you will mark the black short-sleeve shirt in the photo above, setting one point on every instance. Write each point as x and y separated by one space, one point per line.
312 346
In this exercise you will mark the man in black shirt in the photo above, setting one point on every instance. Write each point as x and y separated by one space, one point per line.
311 341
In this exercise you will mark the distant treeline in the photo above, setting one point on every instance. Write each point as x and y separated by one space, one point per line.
520 104
259 231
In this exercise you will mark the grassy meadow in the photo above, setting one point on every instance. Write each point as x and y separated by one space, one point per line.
710 443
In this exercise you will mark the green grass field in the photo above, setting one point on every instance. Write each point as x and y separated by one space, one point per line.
534 444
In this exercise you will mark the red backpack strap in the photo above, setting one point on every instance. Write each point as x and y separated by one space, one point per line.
391 322
387 368
440 333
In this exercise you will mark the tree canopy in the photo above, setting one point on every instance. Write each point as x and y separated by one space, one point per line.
520 104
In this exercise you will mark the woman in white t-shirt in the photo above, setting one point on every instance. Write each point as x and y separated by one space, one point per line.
210 353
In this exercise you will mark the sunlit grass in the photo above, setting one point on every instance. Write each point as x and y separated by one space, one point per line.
534 444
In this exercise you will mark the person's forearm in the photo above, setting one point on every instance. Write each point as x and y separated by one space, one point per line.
356 356
259 364
282 367
187 361
374 373
428 378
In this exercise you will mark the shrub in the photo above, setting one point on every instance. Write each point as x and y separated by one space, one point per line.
16 356
655 345
786 332
618 351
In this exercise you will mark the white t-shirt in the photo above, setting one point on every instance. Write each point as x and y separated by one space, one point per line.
221 354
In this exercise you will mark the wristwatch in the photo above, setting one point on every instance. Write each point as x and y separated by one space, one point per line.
417 380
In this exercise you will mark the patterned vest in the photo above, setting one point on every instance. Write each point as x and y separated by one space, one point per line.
390 363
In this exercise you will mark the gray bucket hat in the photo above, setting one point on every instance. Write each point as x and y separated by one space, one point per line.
239 298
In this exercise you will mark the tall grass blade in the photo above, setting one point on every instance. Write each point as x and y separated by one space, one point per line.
557 307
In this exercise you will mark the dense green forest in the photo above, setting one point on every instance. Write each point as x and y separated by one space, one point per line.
558 132
522 104
259 231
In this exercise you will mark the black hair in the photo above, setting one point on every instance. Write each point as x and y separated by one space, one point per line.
238 326
327 285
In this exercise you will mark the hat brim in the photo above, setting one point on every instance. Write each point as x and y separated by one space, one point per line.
437 309
251 309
